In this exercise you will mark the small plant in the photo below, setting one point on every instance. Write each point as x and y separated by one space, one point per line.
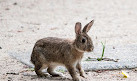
99 59
89 59
31 69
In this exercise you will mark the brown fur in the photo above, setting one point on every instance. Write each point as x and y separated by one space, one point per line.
51 52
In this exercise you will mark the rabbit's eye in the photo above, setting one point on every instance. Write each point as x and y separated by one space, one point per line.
83 40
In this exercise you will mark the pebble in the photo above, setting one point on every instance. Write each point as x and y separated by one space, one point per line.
7 9
15 3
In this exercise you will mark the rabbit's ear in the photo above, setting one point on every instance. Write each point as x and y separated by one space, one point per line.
88 26
78 28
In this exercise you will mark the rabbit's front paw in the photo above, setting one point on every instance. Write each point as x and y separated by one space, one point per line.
83 75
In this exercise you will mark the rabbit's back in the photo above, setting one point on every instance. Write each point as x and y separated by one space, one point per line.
52 49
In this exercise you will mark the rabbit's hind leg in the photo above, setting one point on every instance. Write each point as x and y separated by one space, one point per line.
38 69
51 71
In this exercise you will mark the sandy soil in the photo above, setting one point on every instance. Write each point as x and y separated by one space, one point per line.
23 22
13 70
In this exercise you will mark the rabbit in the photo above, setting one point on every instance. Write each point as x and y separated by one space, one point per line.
51 52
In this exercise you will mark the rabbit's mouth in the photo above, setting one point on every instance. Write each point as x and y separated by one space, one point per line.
90 49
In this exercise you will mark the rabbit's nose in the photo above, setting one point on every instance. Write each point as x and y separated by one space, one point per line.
91 46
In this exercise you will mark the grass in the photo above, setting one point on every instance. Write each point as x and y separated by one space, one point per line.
61 70
99 59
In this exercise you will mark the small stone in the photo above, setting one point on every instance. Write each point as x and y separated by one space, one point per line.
7 9
86 18
15 3
86 73
65 23
0 47
96 37
9 78
113 47
32 78
19 31
37 28
22 27
53 28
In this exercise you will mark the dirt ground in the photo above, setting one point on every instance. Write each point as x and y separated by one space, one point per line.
23 22
13 70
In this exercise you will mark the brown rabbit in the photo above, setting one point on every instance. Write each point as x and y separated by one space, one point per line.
51 52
